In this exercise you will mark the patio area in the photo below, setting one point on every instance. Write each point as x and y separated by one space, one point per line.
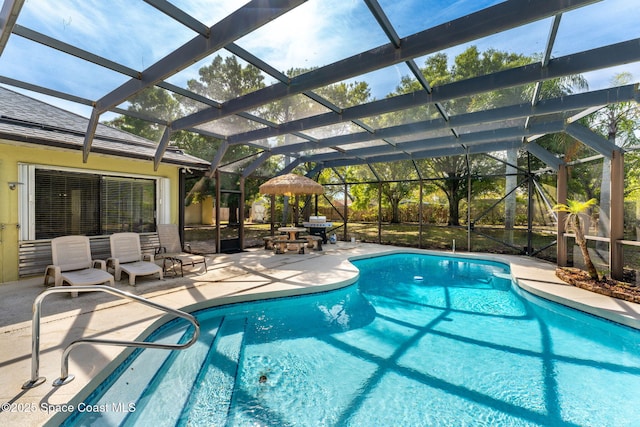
252 274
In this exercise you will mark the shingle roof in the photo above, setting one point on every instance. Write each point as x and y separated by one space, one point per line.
26 119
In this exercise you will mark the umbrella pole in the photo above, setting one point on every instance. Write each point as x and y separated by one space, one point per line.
285 211
272 199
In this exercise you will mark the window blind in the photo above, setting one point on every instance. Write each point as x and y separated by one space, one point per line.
71 203
66 203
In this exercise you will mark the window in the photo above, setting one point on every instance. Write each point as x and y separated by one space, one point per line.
128 204
68 202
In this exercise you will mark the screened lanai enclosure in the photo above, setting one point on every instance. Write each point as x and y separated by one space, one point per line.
455 125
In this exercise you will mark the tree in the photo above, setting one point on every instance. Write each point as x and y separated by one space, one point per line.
300 106
225 79
577 210
453 173
618 123
221 80
152 103
470 63
397 186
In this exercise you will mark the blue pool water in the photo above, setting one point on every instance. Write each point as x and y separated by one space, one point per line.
420 340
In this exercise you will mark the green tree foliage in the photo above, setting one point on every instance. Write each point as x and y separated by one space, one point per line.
221 80
152 103
225 78
398 185
471 63
619 123
584 178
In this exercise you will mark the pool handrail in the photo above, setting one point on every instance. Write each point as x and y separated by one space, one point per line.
65 378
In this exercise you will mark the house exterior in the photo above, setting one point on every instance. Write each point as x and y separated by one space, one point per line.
46 190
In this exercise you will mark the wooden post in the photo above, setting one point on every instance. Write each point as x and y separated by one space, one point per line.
468 203
272 200
379 212
420 217
346 212
241 213
218 231
616 256
561 246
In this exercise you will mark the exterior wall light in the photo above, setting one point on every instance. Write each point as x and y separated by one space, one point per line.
14 184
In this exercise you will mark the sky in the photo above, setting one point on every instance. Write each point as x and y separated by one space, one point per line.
317 33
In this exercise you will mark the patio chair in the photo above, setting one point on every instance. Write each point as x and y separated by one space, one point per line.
127 256
72 264
172 251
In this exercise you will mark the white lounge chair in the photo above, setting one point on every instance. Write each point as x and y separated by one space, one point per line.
172 251
127 256
72 264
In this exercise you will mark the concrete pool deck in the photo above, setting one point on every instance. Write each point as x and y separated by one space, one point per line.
253 274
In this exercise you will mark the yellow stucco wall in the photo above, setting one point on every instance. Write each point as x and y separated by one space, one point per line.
207 210
11 154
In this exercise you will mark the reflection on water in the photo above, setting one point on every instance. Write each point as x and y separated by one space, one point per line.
328 313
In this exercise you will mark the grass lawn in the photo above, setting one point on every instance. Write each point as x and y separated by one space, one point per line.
485 239
433 237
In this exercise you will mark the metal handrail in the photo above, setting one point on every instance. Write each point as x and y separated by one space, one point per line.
65 378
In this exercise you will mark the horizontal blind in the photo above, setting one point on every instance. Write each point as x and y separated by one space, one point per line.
128 204
66 203
72 203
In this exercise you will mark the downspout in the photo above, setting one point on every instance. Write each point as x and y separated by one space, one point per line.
182 194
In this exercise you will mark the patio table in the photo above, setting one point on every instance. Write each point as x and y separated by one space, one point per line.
294 232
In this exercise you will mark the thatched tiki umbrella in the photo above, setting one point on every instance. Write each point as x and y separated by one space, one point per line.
291 185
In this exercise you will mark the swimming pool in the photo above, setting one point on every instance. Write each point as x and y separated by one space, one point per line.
420 340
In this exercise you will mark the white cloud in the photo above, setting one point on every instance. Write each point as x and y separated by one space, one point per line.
215 9
315 34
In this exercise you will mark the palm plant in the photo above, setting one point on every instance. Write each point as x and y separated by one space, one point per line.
577 210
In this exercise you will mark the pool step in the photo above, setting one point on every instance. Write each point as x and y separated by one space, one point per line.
130 386
213 389
502 281
172 385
